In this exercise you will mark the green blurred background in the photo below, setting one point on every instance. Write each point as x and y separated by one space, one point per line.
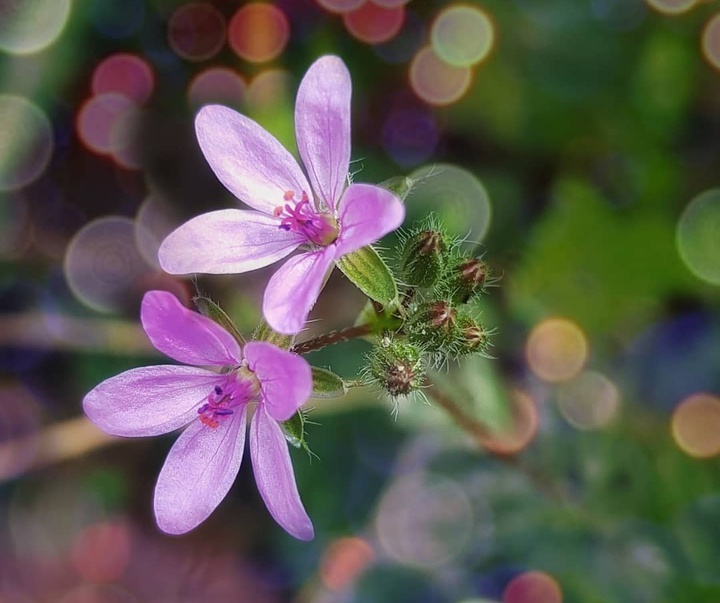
576 142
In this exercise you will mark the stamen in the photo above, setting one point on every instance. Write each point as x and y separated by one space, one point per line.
223 400
319 228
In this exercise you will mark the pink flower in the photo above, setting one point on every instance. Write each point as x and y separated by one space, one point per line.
203 462
325 217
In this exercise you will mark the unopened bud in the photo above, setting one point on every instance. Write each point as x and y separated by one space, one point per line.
422 258
474 337
467 279
397 367
434 326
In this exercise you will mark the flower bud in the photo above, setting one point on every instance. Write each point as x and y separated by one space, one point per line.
397 367
466 279
422 258
475 339
434 326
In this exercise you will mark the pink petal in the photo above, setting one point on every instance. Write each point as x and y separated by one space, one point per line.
367 213
150 400
322 126
184 335
275 476
285 378
228 241
293 290
198 472
247 159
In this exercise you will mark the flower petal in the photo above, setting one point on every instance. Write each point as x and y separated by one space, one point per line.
367 213
150 400
198 472
322 126
228 241
247 159
275 476
285 378
184 335
293 290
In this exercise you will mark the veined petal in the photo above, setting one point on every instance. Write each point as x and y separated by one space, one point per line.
184 335
150 400
247 159
293 290
275 476
285 378
198 472
228 241
367 213
322 126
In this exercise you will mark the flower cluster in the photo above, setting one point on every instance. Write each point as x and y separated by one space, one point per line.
416 315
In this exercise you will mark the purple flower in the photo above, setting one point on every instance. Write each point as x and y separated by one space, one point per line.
325 217
204 461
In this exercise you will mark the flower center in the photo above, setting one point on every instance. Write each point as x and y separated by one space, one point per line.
320 228
234 392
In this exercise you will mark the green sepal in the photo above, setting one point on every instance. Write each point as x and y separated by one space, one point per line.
294 430
399 185
263 332
213 311
369 273
327 385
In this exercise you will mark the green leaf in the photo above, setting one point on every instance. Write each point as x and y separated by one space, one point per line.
213 311
327 385
400 185
369 272
263 332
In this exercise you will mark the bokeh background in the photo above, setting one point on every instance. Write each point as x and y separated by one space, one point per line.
576 141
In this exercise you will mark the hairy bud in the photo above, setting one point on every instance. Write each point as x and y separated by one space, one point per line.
475 339
434 326
397 367
466 279
422 258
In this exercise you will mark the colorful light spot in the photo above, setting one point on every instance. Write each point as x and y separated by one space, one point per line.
258 32
533 587
217 85
196 31
124 74
458 197
696 425
671 7
556 350
103 267
410 134
589 401
711 41
435 81
102 123
29 26
425 520
698 236
340 6
462 35
26 143
374 24
344 561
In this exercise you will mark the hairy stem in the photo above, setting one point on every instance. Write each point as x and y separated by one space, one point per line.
321 341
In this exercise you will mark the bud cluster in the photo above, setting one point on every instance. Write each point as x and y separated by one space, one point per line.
439 283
